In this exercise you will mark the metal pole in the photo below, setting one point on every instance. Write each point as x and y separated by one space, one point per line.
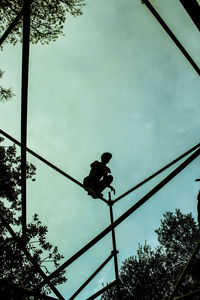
189 295
102 290
91 277
157 173
173 37
51 165
124 215
24 106
180 280
11 27
80 184
193 9
23 248
110 204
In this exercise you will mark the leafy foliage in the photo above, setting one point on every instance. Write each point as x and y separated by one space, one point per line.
47 18
15 266
152 274
5 94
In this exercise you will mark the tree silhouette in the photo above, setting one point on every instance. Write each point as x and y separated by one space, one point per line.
15 267
47 18
152 273
5 94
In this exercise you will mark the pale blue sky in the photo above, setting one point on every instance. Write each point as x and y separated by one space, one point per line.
117 83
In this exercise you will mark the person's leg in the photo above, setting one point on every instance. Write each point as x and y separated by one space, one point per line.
104 183
87 183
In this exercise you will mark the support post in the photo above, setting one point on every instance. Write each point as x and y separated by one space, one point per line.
24 106
12 25
110 203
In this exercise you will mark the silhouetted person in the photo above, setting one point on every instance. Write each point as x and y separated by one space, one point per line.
98 178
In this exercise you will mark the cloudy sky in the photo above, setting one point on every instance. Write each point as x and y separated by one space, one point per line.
115 82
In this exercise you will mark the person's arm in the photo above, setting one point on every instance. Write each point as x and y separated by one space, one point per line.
94 164
197 179
112 189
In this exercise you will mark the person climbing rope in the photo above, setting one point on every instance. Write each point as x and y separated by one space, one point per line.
98 178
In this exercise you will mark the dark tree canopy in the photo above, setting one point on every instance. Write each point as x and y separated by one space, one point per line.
151 274
15 267
47 18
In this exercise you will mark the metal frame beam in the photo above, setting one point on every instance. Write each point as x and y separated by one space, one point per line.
81 185
156 173
50 164
92 276
23 248
102 290
11 27
172 36
25 12
110 204
24 106
189 295
181 278
26 291
124 216
193 9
